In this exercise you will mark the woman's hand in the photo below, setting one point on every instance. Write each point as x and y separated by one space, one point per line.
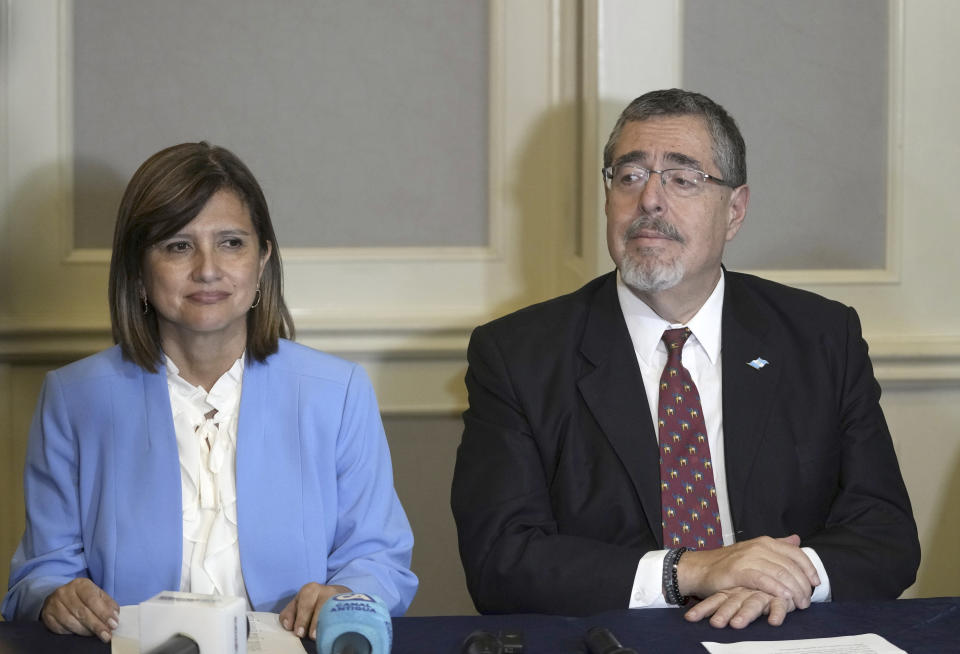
300 615
81 607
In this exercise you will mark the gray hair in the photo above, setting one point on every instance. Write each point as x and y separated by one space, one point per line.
729 150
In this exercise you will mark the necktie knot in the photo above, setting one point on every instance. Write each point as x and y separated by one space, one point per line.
674 340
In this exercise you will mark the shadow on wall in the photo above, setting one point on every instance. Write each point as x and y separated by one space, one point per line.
936 580
541 202
542 193
38 231
35 232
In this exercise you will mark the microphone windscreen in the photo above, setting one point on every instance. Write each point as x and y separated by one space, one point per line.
481 642
354 623
178 644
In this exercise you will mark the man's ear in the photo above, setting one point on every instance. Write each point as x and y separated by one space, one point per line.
737 207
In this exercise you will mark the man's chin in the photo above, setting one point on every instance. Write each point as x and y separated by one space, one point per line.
650 278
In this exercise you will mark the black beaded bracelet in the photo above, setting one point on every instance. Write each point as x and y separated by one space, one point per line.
671 587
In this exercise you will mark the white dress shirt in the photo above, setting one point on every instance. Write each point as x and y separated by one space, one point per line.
208 447
701 357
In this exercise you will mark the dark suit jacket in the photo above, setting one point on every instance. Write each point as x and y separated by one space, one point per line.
556 487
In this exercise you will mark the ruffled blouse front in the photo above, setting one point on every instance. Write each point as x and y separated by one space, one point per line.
206 430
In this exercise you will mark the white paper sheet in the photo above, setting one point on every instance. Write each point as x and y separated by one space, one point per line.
267 636
860 644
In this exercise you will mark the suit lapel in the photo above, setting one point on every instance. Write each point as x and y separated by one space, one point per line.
748 390
613 391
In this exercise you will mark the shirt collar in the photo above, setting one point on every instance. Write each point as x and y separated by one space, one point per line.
646 327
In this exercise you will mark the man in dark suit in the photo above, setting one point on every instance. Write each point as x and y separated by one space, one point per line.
570 494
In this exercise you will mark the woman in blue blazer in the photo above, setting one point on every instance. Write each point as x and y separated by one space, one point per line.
204 452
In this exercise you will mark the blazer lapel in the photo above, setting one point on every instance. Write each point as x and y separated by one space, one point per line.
150 523
257 508
613 391
749 386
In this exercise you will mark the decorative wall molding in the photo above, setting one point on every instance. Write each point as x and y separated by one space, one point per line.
404 312
420 370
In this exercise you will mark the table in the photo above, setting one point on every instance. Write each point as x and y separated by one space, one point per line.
919 626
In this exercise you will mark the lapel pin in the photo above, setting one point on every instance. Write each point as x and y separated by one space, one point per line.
757 363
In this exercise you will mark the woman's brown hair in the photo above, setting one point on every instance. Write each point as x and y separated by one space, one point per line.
164 195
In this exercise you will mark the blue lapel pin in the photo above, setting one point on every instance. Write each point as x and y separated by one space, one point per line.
757 363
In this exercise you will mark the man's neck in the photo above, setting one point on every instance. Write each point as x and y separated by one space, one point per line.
678 305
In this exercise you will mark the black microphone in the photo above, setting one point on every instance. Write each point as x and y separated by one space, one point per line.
178 644
481 642
601 641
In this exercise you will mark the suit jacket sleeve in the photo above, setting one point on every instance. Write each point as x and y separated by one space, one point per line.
516 556
868 543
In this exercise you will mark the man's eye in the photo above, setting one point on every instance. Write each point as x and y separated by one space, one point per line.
685 180
629 178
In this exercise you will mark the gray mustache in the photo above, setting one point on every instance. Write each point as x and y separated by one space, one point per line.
658 225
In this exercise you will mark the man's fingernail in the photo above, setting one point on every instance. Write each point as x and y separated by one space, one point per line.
113 623
105 636
300 632
313 634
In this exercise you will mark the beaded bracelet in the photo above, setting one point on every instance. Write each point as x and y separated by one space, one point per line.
671 587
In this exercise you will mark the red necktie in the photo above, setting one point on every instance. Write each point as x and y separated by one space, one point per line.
689 500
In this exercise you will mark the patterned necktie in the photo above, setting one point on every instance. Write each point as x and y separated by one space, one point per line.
688 497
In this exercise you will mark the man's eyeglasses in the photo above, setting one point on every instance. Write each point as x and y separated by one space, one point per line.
628 179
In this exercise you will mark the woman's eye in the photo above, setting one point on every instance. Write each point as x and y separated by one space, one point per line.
178 246
233 243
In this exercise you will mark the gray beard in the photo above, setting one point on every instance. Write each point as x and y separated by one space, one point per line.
650 276
641 269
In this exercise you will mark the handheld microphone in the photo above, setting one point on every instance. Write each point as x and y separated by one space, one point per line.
354 623
601 641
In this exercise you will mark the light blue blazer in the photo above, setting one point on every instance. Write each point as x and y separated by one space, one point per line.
315 496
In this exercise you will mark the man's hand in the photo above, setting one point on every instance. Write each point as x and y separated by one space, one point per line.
300 615
775 566
81 607
738 607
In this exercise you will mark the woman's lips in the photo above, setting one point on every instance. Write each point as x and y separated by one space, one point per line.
208 297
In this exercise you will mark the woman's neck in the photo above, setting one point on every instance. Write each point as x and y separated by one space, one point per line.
203 360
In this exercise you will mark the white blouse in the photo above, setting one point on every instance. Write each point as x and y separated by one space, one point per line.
206 429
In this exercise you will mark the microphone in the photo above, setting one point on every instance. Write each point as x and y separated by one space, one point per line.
354 623
601 641
481 642
178 644
183 623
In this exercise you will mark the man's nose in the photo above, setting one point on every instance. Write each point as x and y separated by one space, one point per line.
652 195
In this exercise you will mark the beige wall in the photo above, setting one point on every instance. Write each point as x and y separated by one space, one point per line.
558 78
